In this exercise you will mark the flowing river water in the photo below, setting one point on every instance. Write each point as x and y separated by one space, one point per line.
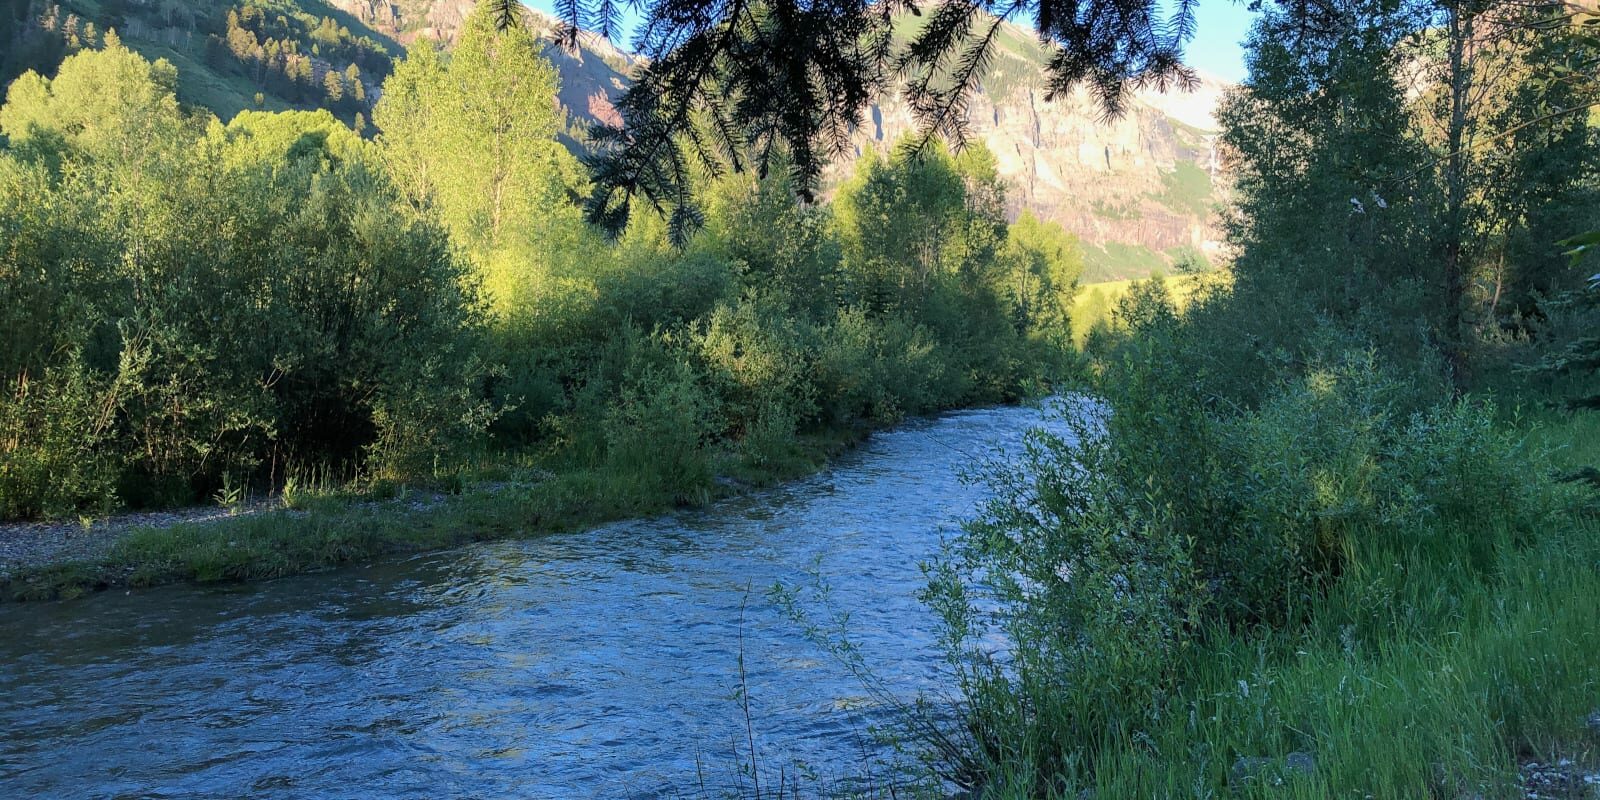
594 664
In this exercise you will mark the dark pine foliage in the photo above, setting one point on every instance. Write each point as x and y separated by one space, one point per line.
731 84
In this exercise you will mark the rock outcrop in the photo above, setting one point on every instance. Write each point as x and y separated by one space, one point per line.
1145 182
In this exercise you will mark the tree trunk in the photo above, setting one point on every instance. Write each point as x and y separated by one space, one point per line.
1452 342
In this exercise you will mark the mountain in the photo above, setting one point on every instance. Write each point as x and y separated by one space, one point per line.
234 55
1139 190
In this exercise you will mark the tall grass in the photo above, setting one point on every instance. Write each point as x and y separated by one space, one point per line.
1472 676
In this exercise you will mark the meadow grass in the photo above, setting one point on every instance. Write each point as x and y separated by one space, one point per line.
1468 681
1095 303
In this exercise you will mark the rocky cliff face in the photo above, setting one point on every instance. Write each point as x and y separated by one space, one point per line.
406 20
1139 190
1144 182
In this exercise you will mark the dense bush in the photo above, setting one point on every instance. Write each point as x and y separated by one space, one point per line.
1293 480
1169 515
192 305
206 303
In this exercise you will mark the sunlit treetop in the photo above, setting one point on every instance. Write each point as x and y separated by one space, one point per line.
729 84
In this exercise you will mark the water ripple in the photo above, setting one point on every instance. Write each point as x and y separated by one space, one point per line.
595 664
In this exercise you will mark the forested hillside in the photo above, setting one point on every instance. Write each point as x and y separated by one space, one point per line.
1140 192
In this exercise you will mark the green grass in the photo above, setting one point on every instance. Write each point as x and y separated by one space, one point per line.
1115 261
1442 707
1186 189
329 529
1417 676
199 85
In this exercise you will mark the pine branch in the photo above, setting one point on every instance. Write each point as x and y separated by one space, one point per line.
507 13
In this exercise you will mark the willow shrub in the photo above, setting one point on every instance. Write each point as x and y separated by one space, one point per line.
1117 550
209 305
659 431
53 433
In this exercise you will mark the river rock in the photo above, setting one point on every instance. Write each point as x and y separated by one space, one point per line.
1301 763
1249 769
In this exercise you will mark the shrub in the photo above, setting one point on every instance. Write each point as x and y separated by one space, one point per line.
1171 516
760 357
242 296
658 431
52 435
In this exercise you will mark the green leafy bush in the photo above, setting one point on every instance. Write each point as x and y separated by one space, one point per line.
242 297
1168 517
53 432
659 430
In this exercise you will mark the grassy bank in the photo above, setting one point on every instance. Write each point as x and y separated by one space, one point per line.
323 530
1417 677
1382 607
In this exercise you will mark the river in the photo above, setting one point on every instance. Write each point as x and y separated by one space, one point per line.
595 664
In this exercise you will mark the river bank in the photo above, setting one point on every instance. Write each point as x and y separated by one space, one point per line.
1454 655
609 662
282 536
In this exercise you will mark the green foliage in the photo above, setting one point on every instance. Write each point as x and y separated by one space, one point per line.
1572 319
1043 264
1281 495
203 311
52 435
896 219
474 138
1327 226
1117 550
659 430
225 298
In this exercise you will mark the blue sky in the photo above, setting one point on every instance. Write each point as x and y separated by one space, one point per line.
1220 27
1220 30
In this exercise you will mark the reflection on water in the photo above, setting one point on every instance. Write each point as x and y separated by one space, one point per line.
599 664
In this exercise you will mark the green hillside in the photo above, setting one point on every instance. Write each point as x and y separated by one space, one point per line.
231 55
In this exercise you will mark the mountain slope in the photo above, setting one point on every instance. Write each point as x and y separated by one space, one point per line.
1139 191
234 55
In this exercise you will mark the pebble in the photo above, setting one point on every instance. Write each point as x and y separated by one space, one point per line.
36 544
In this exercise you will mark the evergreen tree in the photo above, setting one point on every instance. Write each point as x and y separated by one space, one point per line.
358 90
333 87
